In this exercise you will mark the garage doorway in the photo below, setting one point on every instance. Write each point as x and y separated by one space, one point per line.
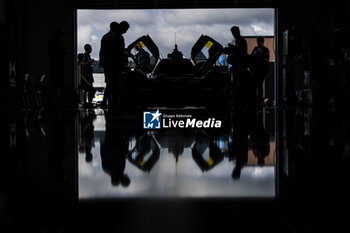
182 27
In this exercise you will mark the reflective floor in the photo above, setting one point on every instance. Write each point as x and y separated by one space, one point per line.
176 163
271 170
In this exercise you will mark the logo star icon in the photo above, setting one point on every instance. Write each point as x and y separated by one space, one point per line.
156 115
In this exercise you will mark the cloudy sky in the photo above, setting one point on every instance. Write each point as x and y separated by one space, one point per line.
161 26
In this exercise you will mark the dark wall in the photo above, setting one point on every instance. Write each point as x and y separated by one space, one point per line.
2 38
39 20
2 11
9 39
318 34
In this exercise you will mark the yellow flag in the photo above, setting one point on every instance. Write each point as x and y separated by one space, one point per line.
210 161
141 44
142 162
209 44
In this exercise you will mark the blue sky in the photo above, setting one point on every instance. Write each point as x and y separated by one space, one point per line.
162 24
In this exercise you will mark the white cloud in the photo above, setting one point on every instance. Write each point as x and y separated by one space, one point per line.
95 38
261 29
84 36
257 28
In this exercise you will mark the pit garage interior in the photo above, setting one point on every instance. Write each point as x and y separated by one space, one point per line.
42 150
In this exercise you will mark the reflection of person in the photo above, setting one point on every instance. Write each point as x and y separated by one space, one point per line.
242 123
260 140
241 156
87 134
114 148
87 78
239 150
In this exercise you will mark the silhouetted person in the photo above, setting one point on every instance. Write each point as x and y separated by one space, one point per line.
262 55
117 88
261 50
56 54
113 60
82 78
87 78
143 59
243 83
243 86
107 58
239 47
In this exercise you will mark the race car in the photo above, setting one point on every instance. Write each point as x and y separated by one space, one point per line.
175 80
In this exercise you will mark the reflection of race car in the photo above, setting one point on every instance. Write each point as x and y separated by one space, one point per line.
146 153
176 80
98 98
206 153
